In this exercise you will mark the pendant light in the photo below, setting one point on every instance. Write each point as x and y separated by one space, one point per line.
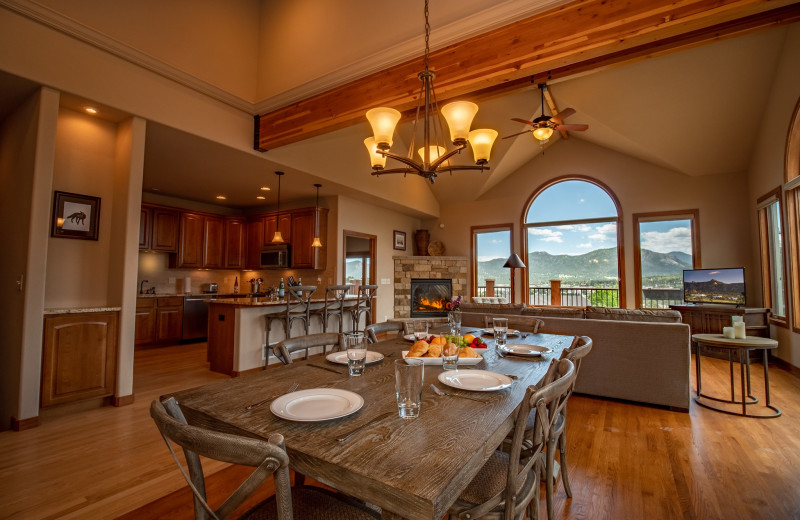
277 238
316 242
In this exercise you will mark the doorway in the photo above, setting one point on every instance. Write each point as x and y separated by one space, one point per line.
358 262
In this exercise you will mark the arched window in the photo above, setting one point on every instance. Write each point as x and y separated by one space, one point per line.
573 245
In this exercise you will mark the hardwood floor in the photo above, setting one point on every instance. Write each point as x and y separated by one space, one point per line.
626 461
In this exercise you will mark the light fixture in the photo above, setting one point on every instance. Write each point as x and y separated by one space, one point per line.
221 197
264 188
513 262
316 242
90 110
277 238
542 131
458 115
261 197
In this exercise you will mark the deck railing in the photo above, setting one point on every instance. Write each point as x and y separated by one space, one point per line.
660 298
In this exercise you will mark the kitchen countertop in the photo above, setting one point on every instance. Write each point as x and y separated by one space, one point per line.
265 302
196 295
78 310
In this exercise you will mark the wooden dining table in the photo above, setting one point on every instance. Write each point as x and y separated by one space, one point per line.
411 468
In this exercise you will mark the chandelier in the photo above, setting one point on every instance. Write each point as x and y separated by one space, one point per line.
434 156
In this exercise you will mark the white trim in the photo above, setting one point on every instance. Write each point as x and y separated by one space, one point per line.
792 184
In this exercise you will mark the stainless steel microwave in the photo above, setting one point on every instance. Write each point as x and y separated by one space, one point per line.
275 257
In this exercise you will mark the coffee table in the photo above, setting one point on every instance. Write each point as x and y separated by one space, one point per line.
742 347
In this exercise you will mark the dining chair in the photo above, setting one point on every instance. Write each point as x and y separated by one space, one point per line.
580 347
334 306
508 483
384 328
284 349
269 459
363 307
297 306
523 323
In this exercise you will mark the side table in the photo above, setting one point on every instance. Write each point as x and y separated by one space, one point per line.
742 347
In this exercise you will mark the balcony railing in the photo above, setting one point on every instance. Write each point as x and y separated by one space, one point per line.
500 291
660 298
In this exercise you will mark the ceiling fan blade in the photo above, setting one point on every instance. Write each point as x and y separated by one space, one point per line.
518 120
518 133
561 116
574 128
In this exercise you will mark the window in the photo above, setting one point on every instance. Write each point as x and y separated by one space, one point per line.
491 247
773 287
792 190
571 235
665 244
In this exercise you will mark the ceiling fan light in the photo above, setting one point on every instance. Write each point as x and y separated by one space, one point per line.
383 121
378 161
543 133
459 115
482 140
434 151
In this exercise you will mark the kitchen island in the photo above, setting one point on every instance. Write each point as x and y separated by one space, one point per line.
237 328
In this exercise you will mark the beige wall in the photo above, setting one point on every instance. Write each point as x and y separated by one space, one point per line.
767 168
639 187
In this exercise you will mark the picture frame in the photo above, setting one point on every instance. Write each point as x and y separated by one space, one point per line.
399 240
75 216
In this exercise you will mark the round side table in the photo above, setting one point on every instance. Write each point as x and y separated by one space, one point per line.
742 347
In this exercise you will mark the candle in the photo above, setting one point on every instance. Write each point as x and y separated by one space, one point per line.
738 330
727 332
736 319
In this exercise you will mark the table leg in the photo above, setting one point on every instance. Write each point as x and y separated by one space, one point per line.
766 377
741 376
697 366
730 366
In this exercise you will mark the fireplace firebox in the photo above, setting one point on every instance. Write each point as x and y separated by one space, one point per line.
427 295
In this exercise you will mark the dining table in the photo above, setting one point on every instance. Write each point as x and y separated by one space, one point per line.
410 468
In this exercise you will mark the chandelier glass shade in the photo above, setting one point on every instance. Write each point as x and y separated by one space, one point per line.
433 151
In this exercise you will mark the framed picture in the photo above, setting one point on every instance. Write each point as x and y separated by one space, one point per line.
400 240
75 216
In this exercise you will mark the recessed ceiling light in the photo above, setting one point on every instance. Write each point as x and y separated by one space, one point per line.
221 197
261 197
264 188
90 110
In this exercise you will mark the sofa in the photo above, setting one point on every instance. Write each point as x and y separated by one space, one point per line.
637 355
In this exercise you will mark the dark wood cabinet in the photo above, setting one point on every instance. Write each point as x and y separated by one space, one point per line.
145 226
159 229
710 320
255 241
169 319
235 235
145 322
272 223
190 250
303 228
213 242
79 357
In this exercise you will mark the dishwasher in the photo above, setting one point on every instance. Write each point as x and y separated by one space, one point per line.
195 318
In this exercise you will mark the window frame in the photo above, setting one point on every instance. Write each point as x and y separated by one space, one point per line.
791 190
765 254
693 215
473 260
620 231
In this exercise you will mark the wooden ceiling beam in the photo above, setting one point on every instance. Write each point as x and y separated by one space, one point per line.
571 39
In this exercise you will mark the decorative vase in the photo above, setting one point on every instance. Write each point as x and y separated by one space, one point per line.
421 239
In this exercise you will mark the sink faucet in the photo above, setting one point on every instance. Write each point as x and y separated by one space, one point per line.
141 286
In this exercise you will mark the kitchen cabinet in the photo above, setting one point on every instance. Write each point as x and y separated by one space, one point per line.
145 226
201 241
235 235
169 319
303 228
213 242
255 241
145 321
272 222
159 229
79 356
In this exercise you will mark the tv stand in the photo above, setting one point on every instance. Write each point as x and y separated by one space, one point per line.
709 319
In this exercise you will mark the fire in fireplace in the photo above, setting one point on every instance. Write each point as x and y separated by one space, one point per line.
427 295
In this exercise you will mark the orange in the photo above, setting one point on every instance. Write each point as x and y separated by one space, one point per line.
468 338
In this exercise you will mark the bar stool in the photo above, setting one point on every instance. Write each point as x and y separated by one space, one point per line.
298 307
333 307
363 306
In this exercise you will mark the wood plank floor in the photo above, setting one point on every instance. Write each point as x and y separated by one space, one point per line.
626 461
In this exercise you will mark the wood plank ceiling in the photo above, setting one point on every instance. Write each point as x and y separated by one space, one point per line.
572 39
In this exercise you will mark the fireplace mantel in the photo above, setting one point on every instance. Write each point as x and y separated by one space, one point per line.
455 268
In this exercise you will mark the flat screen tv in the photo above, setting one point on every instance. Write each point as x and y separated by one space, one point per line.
714 286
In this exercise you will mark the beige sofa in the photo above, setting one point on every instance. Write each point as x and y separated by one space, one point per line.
637 355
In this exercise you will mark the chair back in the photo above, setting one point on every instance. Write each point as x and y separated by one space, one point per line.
523 323
366 293
382 328
334 297
285 348
579 349
298 299
269 458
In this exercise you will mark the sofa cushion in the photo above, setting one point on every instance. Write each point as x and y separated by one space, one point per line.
488 299
605 313
493 308
554 312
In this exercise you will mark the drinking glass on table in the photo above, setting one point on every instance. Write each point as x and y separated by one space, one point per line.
421 329
408 381
356 345
450 352
500 327
454 319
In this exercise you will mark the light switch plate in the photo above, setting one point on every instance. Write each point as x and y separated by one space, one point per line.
386 281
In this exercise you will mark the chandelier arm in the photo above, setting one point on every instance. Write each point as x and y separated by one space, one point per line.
443 158
465 167
396 170
404 160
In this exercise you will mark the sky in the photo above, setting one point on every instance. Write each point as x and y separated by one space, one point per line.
720 275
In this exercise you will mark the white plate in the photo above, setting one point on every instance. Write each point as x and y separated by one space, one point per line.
411 337
438 360
509 333
475 380
525 350
341 357
316 404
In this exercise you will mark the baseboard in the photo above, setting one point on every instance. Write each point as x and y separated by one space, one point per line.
19 425
237 373
123 400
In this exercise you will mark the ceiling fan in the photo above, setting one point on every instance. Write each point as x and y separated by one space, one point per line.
543 126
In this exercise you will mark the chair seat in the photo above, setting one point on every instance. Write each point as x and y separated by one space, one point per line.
312 502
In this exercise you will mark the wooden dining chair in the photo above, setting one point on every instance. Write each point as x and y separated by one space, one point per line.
363 307
508 483
284 349
387 327
269 459
523 323
334 306
580 347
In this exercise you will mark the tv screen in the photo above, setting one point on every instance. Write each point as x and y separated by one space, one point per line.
714 286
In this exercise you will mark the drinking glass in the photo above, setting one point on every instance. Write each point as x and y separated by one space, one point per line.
454 319
356 353
450 353
408 380
421 329
500 326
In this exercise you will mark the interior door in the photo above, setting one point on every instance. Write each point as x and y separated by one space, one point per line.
358 264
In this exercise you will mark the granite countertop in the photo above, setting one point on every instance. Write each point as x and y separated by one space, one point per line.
265 302
78 310
195 295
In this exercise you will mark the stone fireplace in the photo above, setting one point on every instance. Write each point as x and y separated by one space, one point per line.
430 269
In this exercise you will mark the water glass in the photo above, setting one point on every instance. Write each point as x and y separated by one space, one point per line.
500 326
408 381
450 352
356 345
454 319
421 329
